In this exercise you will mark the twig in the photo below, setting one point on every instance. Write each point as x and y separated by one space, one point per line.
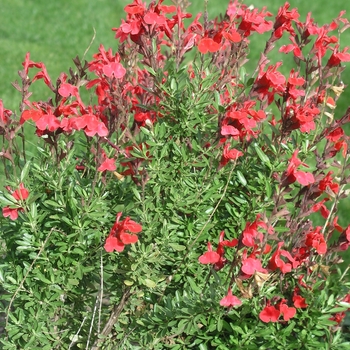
117 309
75 338
344 273
92 323
101 295
92 40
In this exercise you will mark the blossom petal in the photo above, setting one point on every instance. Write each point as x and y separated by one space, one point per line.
113 243
209 258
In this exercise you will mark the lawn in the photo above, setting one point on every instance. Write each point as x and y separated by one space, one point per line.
56 32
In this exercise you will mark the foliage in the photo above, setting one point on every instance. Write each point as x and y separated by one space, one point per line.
226 232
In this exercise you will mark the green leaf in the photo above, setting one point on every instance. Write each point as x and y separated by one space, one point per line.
136 193
73 281
241 178
33 210
330 300
263 157
41 277
219 325
6 201
193 285
25 171
177 247
148 283
344 304
52 203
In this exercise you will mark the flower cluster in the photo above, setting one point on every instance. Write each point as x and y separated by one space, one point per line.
19 195
122 233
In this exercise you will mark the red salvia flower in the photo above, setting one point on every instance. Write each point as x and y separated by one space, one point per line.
122 233
269 314
208 45
107 164
292 174
230 300
315 239
209 257
216 258
276 261
20 194
251 265
286 311
298 300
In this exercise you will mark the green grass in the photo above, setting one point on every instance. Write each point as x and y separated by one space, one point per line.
53 32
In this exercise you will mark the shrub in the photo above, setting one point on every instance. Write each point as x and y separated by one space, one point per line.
225 185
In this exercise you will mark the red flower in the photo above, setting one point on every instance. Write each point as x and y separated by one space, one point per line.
11 212
209 257
316 240
229 154
338 57
230 300
32 114
208 45
4 114
277 263
217 258
273 313
292 174
122 234
251 235
327 181
107 164
48 121
320 206
269 314
298 300
114 69
20 194
252 265
286 311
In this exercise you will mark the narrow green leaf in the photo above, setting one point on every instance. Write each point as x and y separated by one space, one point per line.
193 285
6 201
241 178
263 157
33 210
149 283
25 171
177 247
136 193
52 203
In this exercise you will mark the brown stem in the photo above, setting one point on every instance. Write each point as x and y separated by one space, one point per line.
113 318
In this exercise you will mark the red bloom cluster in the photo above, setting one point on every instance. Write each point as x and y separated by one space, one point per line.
272 313
240 120
122 233
292 174
19 195
216 258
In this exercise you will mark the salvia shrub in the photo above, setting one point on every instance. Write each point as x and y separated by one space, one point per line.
166 196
